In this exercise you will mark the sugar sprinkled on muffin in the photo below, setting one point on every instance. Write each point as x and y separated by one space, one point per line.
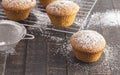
18 9
62 13
88 45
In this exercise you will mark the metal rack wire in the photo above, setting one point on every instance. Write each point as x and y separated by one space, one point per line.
86 6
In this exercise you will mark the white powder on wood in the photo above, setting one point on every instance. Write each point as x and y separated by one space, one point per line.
109 52
57 39
63 49
2 43
108 18
112 56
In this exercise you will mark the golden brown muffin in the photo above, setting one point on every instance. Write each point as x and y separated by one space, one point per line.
88 45
62 13
18 9
46 2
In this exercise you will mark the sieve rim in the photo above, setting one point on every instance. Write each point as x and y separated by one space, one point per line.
16 24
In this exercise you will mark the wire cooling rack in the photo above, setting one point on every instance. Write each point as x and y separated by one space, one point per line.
39 19
86 6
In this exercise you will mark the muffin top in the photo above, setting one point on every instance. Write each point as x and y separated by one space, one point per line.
18 4
62 8
88 41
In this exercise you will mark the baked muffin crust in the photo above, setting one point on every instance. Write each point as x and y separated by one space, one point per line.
62 8
18 4
88 41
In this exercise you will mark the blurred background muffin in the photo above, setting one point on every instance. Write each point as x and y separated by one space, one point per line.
62 13
88 45
46 2
18 9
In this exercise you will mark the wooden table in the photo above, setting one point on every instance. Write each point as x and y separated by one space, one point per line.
39 56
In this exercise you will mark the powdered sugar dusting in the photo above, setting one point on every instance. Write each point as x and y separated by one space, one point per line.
2 43
88 39
57 39
109 52
42 21
63 49
108 18
62 7
112 57
18 3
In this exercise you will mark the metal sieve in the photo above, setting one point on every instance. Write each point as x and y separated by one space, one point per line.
11 33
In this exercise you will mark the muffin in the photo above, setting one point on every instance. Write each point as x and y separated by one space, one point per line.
46 2
62 13
18 9
87 45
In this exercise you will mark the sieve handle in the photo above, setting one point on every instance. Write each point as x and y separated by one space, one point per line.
29 36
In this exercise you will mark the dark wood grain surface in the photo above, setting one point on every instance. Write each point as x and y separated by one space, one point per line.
42 56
